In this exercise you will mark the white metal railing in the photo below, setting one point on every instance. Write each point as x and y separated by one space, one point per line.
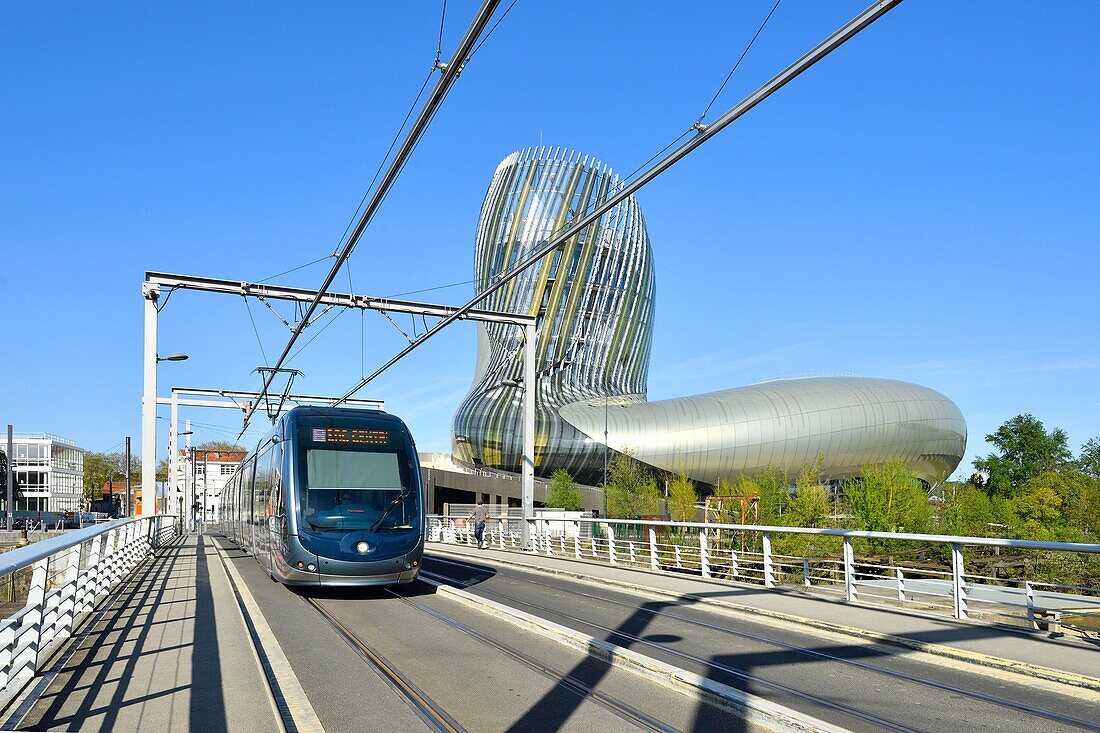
48 587
844 563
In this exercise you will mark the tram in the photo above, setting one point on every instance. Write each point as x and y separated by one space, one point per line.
330 497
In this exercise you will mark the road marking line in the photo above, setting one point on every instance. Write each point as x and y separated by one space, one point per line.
754 709
295 703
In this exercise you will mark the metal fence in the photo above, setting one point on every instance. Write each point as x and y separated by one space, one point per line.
48 587
1052 584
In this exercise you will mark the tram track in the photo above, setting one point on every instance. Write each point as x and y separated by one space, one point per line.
424 706
438 718
753 679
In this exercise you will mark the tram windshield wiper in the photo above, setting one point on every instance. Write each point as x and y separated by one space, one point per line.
399 499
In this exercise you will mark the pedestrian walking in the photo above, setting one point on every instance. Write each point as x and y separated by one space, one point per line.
478 517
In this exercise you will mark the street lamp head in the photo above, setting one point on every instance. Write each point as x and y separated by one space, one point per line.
172 357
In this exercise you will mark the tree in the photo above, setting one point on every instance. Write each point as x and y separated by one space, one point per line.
221 445
888 498
682 498
810 506
1090 458
101 468
162 469
1026 449
562 493
775 495
631 490
966 511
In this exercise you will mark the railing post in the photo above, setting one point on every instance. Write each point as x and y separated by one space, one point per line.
958 580
806 571
633 557
503 529
89 577
851 593
653 563
769 571
69 600
26 663
561 540
704 560
577 540
901 584
469 534
611 546
1030 604
733 564
679 557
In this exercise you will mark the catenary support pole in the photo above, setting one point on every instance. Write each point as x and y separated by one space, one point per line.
173 452
149 401
530 389
10 479
129 485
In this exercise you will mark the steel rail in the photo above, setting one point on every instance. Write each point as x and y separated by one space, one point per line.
428 710
804 651
450 73
705 132
585 691
732 671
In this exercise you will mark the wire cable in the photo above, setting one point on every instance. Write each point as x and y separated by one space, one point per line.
294 269
313 338
739 60
439 46
255 330
493 28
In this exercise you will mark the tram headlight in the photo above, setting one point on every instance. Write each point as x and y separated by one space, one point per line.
311 567
362 547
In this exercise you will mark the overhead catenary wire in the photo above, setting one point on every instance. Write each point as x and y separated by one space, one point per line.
427 112
704 133
255 330
739 60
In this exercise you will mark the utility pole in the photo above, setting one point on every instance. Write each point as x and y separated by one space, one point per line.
11 478
129 497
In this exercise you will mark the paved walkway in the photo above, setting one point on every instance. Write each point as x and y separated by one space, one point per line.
964 640
170 652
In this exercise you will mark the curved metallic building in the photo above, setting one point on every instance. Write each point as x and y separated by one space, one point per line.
594 298
851 421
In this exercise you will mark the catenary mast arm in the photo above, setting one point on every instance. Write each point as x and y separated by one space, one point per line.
823 49
446 80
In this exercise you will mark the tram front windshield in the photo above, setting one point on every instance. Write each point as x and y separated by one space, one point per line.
356 476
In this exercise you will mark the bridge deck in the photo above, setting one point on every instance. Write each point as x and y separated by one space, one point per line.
169 651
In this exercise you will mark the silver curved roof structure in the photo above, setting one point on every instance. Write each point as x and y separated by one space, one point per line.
851 421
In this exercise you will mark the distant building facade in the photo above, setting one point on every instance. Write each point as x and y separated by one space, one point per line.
48 472
207 471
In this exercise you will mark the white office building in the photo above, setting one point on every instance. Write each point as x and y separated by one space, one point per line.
48 471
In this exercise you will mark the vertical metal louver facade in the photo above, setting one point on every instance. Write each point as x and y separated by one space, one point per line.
593 296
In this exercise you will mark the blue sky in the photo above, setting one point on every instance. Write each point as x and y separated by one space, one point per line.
921 205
